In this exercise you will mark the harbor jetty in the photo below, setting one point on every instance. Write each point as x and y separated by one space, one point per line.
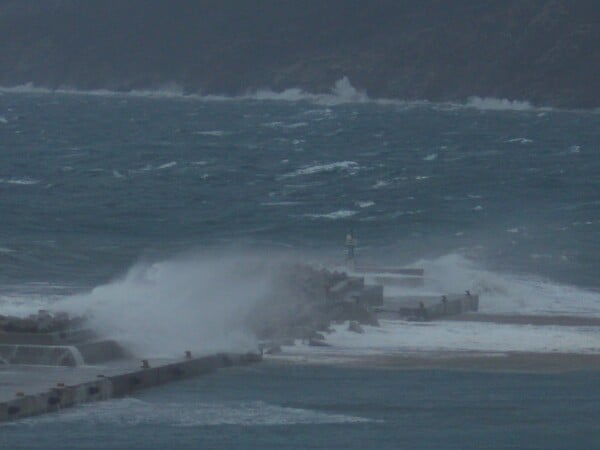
51 361
307 301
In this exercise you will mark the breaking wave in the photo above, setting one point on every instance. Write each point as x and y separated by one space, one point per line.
508 293
349 166
19 181
499 104
341 214
161 309
342 92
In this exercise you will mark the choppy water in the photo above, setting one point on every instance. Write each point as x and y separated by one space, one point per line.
269 407
95 189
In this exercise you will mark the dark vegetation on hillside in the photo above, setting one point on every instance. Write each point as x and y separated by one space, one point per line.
545 51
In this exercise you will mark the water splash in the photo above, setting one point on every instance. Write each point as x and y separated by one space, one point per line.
186 303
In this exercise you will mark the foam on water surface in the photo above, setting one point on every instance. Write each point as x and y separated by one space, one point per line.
124 413
443 339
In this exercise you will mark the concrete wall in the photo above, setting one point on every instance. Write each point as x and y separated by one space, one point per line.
121 385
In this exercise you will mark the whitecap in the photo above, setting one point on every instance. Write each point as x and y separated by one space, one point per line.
498 104
431 157
272 124
380 183
280 203
341 214
343 92
394 337
520 140
349 166
167 165
19 181
211 133
365 204
3 120
296 125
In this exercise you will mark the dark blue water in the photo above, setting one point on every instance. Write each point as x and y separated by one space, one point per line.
90 185
270 407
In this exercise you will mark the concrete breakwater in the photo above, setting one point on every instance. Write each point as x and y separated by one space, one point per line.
90 384
52 361
307 301
49 362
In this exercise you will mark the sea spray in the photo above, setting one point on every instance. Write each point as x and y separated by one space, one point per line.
507 293
185 303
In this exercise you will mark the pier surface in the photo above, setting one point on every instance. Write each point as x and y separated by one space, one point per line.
32 390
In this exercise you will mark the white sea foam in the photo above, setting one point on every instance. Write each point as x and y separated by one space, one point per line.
130 411
163 308
440 338
341 214
497 104
211 133
365 204
349 166
343 92
380 183
296 125
3 120
431 157
278 124
24 304
167 165
520 140
282 203
169 90
19 181
507 293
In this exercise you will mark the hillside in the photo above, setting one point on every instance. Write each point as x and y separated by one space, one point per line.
543 51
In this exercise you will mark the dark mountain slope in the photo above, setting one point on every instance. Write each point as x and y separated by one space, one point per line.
545 51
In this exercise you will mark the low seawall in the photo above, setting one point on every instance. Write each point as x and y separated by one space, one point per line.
121 384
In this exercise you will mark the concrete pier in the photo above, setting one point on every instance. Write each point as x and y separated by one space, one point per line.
32 390
415 307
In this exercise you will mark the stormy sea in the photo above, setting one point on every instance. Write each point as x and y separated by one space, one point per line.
153 213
